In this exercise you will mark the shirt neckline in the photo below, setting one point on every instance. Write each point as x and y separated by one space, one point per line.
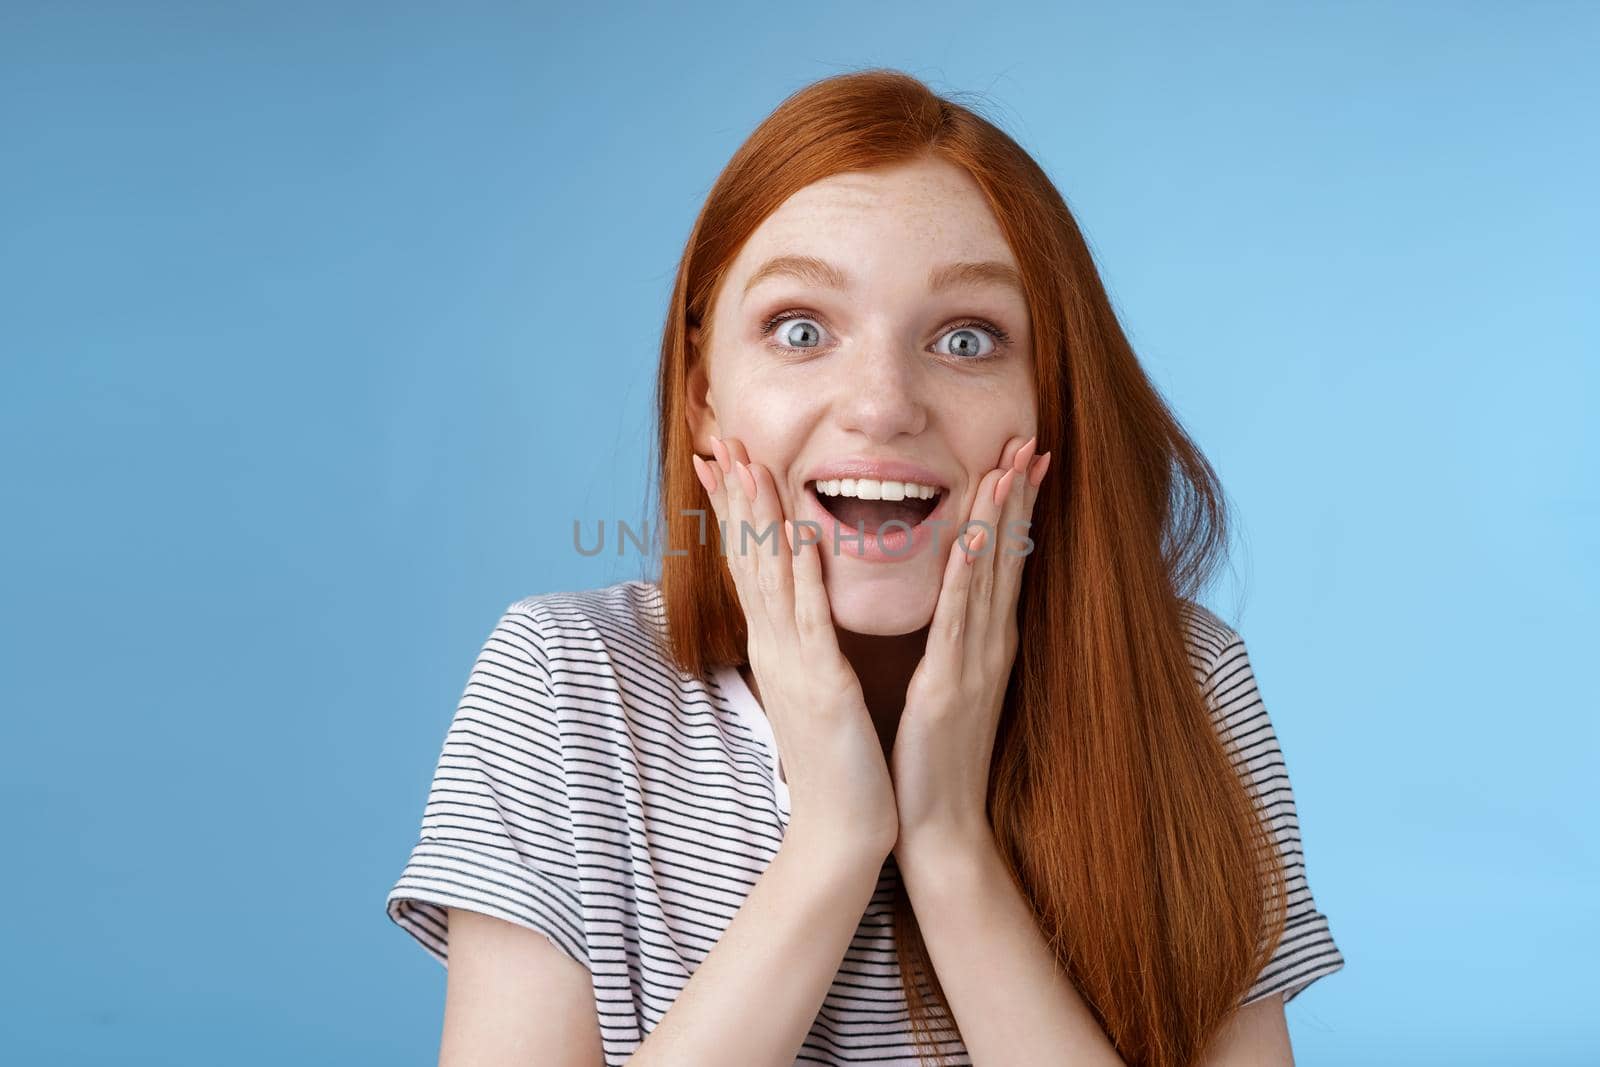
749 710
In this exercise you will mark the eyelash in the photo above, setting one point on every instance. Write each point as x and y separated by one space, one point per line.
1002 339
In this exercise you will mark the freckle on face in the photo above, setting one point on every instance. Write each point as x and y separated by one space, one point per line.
876 383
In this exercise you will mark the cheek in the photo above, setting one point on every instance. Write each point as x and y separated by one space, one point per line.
989 423
773 429
761 413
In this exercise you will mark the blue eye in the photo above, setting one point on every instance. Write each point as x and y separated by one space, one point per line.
789 334
999 338
970 349
968 352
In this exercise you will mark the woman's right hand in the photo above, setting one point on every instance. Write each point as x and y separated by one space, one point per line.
832 759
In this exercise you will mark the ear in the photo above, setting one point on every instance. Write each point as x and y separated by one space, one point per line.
699 411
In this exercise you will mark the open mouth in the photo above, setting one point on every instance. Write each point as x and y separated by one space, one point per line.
867 503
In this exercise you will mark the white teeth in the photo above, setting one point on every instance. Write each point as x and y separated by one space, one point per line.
874 489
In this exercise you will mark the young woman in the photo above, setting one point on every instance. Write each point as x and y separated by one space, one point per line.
956 771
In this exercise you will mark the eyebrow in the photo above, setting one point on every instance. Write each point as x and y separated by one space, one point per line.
821 273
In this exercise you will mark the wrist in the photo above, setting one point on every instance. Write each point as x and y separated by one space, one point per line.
824 842
946 840
947 854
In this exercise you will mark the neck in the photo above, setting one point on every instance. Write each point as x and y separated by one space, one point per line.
884 665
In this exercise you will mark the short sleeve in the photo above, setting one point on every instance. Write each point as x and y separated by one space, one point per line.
1307 950
496 833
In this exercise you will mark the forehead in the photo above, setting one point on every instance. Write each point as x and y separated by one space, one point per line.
903 217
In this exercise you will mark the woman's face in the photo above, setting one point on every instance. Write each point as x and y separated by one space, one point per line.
903 347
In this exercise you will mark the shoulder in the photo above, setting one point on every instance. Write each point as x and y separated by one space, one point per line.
1221 662
633 605
1306 950
560 669
625 618
1210 640
1205 627
1208 635
603 646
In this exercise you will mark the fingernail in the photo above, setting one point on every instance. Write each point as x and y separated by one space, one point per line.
701 472
1002 488
1038 474
1025 454
974 543
747 480
720 450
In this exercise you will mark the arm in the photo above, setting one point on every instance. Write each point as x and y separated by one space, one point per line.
1013 1003
511 997
754 998
1256 1036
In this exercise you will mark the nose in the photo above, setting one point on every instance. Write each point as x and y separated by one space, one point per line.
879 394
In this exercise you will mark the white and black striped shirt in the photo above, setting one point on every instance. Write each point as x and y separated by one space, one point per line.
589 790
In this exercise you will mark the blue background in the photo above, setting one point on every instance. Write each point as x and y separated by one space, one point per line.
322 322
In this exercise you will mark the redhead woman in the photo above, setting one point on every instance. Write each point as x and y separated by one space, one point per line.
920 749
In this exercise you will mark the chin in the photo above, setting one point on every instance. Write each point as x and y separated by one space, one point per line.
898 602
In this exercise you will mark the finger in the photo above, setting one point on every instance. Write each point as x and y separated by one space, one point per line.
724 465
1036 475
737 523
996 488
707 473
740 562
813 615
948 630
1030 487
742 480
721 492
1017 456
1016 516
774 562
729 453
1035 478
711 478
739 489
1023 457
702 471
1008 454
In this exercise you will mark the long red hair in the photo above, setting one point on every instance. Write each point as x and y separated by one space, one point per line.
1112 797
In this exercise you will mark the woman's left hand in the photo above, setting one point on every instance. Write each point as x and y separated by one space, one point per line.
945 739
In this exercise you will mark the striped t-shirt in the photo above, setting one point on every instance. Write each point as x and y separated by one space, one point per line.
589 790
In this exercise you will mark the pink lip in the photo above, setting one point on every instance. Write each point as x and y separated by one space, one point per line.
882 469
896 546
